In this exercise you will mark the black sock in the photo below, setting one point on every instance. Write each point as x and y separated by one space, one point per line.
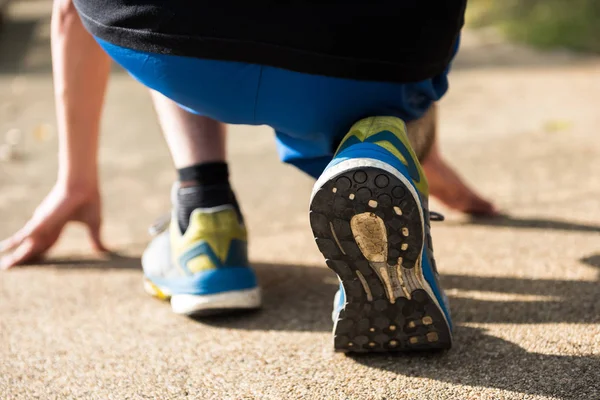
203 186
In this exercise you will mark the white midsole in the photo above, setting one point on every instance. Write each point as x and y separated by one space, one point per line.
241 299
353 163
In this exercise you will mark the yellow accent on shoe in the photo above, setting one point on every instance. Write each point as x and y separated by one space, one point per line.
200 263
154 290
392 149
216 228
368 127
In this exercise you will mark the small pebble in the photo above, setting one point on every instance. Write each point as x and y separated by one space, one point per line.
42 132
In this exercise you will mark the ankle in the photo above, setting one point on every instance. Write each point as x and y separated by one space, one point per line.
203 186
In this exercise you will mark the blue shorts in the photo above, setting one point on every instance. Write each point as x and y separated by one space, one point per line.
309 113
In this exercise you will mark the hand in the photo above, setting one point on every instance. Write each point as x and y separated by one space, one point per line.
39 234
447 186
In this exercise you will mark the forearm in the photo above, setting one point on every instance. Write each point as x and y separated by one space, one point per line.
81 70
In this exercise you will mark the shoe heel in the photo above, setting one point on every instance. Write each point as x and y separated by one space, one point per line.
213 304
210 292
368 223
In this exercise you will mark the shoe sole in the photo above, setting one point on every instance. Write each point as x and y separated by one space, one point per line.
207 305
368 223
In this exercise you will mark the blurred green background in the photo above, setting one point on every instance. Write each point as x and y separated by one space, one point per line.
572 24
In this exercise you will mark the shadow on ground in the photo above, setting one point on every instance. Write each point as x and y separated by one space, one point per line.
507 221
481 360
299 298
304 295
109 261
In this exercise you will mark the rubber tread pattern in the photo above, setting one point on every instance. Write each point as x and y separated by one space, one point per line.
377 325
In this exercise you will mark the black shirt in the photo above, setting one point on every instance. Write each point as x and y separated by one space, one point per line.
385 40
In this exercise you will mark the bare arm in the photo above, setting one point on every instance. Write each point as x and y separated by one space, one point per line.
81 70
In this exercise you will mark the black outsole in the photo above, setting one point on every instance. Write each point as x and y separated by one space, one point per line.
217 313
371 321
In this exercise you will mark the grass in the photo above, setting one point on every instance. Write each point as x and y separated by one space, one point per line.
572 24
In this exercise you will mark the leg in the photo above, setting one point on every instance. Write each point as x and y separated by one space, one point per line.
422 132
192 139
199 259
197 146
369 207
206 219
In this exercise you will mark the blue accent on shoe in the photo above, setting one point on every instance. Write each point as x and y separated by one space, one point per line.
429 275
370 150
209 282
388 137
339 302
237 255
351 141
393 139
199 249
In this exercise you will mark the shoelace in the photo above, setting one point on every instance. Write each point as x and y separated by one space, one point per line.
435 216
160 225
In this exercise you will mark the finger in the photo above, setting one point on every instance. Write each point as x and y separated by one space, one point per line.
97 243
12 242
24 252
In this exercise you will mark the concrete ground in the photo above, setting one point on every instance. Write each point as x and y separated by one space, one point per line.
525 292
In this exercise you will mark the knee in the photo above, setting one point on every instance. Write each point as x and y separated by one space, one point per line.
63 13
